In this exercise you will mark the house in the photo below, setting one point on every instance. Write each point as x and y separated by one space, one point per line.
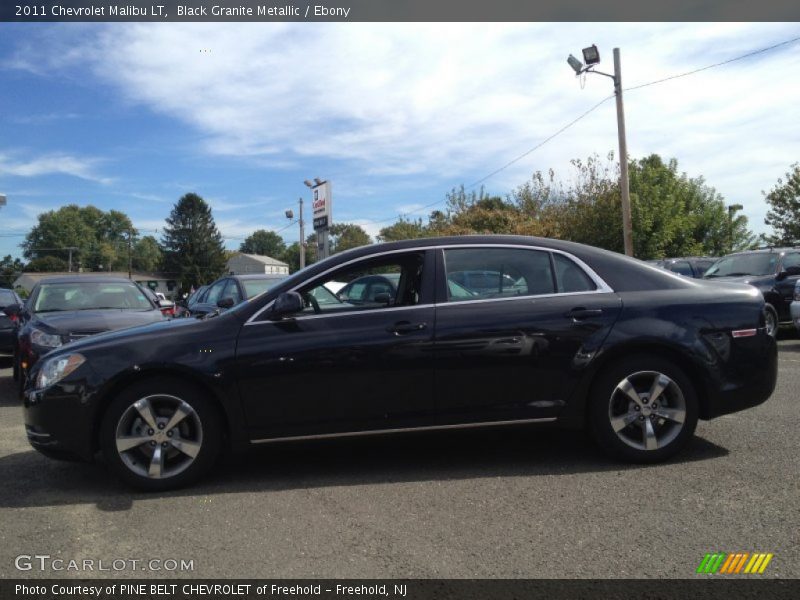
158 282
242 264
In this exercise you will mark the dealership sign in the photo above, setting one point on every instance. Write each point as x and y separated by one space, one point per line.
321 205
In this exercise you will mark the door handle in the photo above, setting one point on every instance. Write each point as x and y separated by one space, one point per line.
583 313
404 327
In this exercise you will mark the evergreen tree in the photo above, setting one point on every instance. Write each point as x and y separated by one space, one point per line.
193 250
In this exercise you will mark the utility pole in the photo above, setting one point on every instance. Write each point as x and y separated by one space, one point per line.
627 224
591 57
130 257
302 237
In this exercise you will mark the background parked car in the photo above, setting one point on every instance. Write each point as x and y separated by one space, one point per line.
774 271
228 291
690 266
64 309
183 307
7 323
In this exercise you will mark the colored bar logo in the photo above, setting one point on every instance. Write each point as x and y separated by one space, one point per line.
735 563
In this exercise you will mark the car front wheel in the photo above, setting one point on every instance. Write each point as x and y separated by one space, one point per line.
643 409
160 434
771 320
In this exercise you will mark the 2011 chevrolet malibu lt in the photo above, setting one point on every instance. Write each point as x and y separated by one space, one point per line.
559 333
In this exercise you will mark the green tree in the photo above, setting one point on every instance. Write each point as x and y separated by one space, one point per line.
344 236
291 255
97 237
403 229
46 264
146 254
784 212
10 269
265 243
193 250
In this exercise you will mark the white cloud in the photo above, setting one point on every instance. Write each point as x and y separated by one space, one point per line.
53 164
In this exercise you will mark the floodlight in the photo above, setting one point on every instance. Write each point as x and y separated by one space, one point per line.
591 55
576 65
308 183
289 214
318 181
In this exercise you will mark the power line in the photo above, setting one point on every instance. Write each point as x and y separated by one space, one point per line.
508 164
719 64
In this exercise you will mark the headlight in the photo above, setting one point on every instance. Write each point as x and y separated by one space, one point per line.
49 340
56 368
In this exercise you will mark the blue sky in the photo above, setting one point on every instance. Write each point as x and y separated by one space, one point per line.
131 116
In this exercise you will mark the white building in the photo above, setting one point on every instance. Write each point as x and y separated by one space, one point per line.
242 264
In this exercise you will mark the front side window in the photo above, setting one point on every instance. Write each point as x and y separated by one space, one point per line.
215 292
791 262
481 273
370 284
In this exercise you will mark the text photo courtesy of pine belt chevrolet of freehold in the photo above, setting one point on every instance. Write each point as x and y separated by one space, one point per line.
438 333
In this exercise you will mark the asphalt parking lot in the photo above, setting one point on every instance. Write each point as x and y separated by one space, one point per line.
505 503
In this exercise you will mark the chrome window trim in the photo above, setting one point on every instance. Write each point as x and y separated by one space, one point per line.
322 436
602 286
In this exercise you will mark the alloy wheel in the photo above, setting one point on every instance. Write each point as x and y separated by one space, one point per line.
771 322
647 410
158 436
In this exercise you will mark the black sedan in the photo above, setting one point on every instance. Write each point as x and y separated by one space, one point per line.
8 324
585 337
66 308
228 291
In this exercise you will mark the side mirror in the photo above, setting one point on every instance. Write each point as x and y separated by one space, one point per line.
287 303
226 302
13 310
781 275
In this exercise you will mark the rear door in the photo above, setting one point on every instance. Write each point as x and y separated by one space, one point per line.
514 352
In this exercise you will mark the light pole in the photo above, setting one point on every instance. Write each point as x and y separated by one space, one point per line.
290 215
591 56
732 209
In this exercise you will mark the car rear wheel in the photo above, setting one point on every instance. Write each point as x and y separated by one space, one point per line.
160 434
643 409
771 320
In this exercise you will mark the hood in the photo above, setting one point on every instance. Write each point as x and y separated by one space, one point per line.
95 321
153 331
750 279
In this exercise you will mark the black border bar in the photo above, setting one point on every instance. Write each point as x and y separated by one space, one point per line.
398 10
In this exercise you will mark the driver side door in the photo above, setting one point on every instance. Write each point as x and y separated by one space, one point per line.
339 367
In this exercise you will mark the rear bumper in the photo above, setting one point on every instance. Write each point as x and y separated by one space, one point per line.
747 379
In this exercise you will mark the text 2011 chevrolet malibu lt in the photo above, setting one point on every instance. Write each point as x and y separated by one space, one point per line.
421 334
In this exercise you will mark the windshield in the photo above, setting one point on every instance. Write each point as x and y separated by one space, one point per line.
88 295
762 263
254 287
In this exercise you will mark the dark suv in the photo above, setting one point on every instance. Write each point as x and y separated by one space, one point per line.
774 271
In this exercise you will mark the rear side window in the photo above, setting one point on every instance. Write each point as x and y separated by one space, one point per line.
480 273
682 267
571 278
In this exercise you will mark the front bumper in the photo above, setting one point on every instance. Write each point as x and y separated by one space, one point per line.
58 421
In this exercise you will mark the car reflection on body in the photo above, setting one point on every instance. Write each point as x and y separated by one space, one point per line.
583 337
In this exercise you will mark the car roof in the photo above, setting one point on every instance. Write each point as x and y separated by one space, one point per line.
258 276
84 278
774 250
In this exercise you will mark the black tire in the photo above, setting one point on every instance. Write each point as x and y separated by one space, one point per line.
201 429
609 403
771 320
